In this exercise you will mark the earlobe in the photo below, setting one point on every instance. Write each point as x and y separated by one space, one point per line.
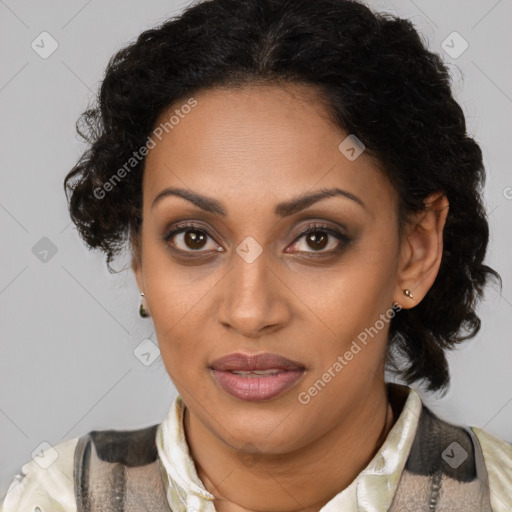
422 251
137 271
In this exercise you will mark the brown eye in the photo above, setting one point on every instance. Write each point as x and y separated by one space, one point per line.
317 237
317 240
188 238
194 239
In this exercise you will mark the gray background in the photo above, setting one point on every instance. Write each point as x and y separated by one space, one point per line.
69 328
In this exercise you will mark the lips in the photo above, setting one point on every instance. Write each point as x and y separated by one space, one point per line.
256 377
249 362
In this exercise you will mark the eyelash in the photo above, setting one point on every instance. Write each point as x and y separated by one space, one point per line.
312 228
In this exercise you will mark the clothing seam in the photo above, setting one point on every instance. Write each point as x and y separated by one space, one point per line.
81 473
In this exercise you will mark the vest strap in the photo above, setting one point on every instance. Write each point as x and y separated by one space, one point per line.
118 471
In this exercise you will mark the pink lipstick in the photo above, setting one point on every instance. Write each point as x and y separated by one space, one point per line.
256 377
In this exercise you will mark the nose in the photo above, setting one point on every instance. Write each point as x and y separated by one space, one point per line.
254 299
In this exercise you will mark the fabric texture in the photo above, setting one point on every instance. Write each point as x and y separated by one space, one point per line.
425 464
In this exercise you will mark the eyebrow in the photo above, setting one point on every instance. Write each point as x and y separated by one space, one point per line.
282 210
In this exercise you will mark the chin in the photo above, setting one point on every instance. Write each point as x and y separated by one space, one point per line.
270 435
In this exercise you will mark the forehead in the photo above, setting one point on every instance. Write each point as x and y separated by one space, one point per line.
247 144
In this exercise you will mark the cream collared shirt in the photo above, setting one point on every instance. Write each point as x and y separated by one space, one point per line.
50 489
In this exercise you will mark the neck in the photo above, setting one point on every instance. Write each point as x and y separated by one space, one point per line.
305 479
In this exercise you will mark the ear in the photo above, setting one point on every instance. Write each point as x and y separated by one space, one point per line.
137 262
421 251
137 270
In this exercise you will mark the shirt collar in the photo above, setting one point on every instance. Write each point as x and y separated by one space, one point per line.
372 490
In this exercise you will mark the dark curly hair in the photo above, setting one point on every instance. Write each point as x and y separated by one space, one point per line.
378 81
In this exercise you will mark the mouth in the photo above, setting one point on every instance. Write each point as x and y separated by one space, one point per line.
256 377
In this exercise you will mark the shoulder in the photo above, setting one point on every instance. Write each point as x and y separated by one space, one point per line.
132 448
497 455
46 482
455 467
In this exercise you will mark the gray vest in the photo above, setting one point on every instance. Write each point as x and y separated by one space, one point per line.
119 471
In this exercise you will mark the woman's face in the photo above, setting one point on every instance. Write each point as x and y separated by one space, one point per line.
246 281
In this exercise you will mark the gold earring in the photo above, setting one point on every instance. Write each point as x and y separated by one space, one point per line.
142 308
408 293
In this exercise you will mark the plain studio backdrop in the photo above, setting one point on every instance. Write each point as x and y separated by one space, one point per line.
72 342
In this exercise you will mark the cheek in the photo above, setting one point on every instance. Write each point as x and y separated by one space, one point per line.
346 300
175 294
183 362
352 313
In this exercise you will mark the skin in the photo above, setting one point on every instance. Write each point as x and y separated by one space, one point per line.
251 148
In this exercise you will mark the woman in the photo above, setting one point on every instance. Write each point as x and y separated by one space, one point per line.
303 207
